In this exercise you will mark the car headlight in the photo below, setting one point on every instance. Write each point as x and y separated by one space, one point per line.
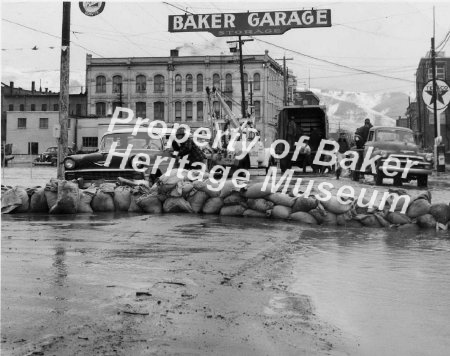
69 163
383 154
429 157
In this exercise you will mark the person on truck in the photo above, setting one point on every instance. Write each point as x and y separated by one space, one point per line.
291 132
343 147
189 148
362 133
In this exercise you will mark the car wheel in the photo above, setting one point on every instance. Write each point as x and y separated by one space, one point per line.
398 180
378 178
355 176
53 162
244 163
422 181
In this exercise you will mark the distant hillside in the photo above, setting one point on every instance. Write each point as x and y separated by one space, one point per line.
349 109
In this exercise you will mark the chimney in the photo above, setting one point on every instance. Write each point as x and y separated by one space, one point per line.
46 90
11 87
174 53
33 87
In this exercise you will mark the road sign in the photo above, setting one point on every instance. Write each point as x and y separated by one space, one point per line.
250 23
442 95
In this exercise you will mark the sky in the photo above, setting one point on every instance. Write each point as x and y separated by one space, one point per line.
385 38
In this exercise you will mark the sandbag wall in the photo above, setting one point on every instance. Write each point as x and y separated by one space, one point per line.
171 194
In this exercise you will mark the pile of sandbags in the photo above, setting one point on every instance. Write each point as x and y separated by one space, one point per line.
187 192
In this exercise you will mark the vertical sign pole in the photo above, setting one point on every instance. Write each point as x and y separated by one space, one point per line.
433 69
241 69
64 89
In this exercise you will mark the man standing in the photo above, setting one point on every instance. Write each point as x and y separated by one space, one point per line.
188 148
291 132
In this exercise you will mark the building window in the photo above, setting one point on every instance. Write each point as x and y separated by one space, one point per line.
228 83
189 111
141 109
256 81
22 123
189 84
55 107
89 141
200 82
216 108
159 111
216 81
230 104
245 81
22 107
43 123
117 84
68 123
440 71
44 107
178 82
100 84
199 110
141 85
33 148
33 107
158 83
11 107
100 109
78 109
178 111
257 110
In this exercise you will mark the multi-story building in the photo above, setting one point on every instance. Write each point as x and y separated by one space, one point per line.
173 88
33 107
425 122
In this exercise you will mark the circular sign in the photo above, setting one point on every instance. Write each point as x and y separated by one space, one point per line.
442 95
92 8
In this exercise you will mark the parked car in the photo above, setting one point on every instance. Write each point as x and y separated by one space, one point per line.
395 142
87 168
50 156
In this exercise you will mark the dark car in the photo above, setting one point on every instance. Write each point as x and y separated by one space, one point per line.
50 156
87 168
399 143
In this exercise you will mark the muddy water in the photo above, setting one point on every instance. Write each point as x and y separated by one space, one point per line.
389 292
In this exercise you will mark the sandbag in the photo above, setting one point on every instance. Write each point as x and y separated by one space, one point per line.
281 199
426 221
250 213
335 206
369 220
168 182
51 192
15 200
122 198
213 205
418 207
203 186
232 210
234 198
259 204
102 201
256 191
329 218
304 204
353 224
440 212
227 189
177 205
197 200
397 218
38 203
84 203
381 220
319 214
68 198
343 219
181 189
150 203
303 217
391 199
134 208
411 228
281 212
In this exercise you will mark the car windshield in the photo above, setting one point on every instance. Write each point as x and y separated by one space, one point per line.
140 141
395 136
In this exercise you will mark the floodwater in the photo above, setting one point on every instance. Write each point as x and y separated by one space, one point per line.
388 291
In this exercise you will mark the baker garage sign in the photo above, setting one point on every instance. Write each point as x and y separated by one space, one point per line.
250 23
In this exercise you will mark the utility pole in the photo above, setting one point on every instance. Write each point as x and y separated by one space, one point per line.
64 90
241 70
250 105
285 79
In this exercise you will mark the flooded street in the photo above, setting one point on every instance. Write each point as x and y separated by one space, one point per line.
389 291
169 284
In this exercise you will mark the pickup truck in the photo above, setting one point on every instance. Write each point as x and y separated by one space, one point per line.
399 143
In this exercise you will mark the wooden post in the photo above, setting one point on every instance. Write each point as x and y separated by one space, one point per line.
64 90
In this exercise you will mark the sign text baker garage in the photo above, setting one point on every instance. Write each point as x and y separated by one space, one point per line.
250 23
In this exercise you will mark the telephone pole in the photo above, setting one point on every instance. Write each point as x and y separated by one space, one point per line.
64 90
285 79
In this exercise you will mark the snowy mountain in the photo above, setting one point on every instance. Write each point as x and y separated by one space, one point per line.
349 109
